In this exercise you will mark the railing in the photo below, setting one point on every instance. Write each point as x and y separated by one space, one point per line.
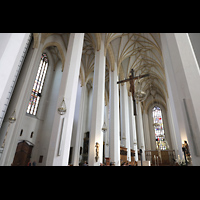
166 158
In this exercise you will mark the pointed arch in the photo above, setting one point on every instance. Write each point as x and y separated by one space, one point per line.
56 40
111 57
36 40
98 41
82 75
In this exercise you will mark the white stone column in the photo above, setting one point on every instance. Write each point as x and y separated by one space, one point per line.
151 130
171 127
146 131
61 136
11 58
96 134
85 114
191 71
19 104
133 136
183 77
114 118
80 125
141 143
125 130
106 119
166 126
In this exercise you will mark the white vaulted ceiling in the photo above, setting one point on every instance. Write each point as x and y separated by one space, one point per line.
124 51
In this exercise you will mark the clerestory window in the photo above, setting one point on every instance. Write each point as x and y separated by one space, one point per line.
38 85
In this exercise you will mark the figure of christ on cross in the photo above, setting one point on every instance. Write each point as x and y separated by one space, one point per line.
132 78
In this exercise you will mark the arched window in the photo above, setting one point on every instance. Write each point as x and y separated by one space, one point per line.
161 142
38 85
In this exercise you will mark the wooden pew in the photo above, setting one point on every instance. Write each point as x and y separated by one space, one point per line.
132 157
123 155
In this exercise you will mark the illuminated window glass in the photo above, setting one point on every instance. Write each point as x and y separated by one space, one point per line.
161 142
38 85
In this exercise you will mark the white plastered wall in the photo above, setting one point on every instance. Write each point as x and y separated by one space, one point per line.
41 124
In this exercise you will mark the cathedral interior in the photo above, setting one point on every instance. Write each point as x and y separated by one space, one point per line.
66 106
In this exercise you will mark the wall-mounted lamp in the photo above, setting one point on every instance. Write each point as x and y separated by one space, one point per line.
12 118
97 151
62 108
104 128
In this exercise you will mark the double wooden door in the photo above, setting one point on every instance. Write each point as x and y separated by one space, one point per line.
22 154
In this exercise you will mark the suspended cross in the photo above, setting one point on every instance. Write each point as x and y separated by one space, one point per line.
132 78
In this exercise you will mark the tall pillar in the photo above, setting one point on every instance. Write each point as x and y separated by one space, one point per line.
151 130
146 131
59 147
114 118
125 130
141 144
172 129
133 136
80 125
106 120
12 53
183 76
191 102
96 134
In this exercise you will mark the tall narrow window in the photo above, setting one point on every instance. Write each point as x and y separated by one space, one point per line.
38 85
161 142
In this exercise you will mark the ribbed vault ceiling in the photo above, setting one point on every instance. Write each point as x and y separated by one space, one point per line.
124 51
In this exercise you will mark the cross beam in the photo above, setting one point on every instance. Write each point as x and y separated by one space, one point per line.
132 78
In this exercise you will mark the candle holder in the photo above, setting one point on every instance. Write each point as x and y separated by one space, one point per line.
12 118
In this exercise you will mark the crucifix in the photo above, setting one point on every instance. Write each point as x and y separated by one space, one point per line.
132 78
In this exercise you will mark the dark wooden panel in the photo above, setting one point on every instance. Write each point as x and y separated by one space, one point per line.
22 154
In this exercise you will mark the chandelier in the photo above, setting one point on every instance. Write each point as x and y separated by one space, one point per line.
139 94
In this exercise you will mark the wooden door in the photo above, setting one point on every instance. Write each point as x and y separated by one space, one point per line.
22 154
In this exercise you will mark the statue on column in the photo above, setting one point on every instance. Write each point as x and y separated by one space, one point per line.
187 151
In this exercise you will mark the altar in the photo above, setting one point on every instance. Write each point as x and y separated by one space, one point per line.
164 158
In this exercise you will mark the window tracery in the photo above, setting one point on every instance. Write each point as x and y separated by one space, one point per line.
38 85
161 142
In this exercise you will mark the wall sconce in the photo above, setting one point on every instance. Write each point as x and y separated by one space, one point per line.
104 127
62 109
12 118
97 151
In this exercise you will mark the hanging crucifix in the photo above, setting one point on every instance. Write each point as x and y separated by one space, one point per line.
132 78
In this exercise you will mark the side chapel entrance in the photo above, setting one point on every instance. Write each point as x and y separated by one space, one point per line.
23 153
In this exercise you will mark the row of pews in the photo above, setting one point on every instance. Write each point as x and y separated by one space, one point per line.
123 156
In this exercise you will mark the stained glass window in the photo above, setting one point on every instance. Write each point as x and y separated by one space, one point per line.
38 85
161 142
